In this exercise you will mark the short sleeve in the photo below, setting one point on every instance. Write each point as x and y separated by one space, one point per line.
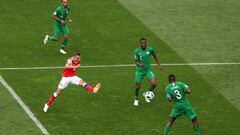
55 13
168 94
136 56
153 52
185 86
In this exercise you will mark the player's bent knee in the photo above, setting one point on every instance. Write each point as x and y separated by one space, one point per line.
138 86
65 37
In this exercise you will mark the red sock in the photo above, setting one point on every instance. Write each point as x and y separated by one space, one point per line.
50 100
88 87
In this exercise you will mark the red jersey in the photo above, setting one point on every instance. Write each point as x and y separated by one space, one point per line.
69 72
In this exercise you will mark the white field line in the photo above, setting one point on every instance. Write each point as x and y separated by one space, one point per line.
123 65
25 108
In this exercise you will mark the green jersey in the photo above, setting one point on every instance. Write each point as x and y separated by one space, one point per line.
144 57
61 13
176 91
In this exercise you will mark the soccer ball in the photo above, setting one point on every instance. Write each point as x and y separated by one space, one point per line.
149 95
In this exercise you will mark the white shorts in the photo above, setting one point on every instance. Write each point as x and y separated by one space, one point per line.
66 80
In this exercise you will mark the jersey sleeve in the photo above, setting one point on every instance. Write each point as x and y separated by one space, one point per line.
185 86
56 12
168 94
136 56
153 52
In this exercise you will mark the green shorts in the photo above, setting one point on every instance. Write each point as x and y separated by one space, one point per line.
140 75
188 112
58 29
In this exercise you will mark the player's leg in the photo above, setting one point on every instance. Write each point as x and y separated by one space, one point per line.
54 95
169 125
52 98
63 84
55 37
64 43
176 112
78 81
191 114
138 79
151 77
196 128
137 88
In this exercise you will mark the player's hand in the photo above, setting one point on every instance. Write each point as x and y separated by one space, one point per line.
141 65
70 20
62 22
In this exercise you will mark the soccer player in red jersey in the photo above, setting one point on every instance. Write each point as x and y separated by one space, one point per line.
69 76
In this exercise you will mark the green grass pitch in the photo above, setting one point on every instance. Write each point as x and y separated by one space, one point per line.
106 32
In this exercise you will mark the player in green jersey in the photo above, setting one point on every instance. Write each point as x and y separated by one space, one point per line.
60 27
143 56
176 92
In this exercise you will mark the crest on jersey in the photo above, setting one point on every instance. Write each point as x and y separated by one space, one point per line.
147 52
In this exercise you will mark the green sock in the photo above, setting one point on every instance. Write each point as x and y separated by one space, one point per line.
52 38
196 131
151 88
136 94
64 43
166 130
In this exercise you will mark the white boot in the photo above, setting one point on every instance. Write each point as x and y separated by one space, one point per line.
46 39
135 102
62 51
45 108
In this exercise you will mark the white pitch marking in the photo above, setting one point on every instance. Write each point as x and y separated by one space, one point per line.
25 108
124 65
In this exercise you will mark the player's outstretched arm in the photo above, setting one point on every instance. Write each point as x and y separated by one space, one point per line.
157 61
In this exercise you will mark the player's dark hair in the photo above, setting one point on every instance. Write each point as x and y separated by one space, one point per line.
171 78
142 39
77 53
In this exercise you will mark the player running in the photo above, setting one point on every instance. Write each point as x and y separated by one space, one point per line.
143 62
60 26
69 76
176 92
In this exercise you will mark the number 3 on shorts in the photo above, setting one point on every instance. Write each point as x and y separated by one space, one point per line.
178 95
